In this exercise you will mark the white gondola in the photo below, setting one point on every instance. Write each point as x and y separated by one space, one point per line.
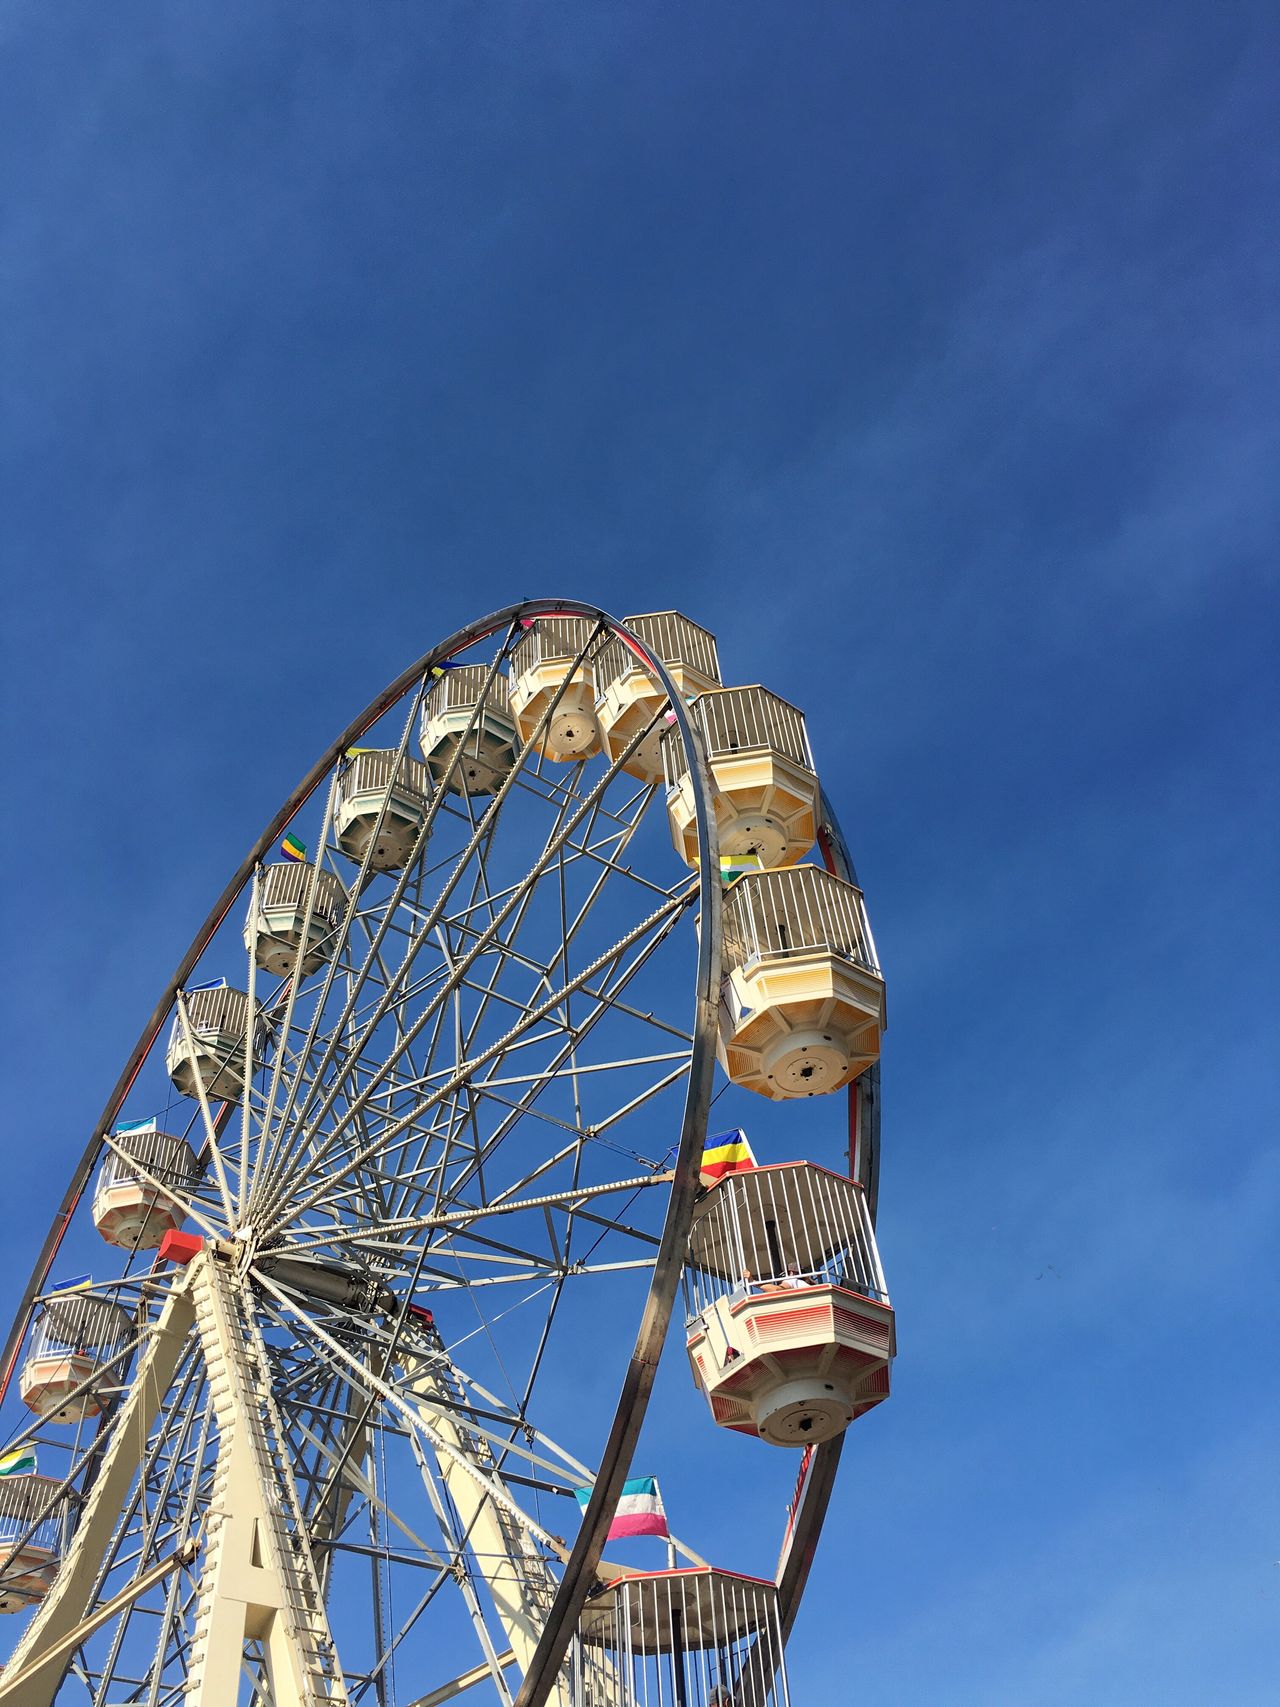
214 1046
697 1637
762 767
377 793
453 717
544 678
790 1331
274 924
130 1211
802 1005
74 1336
628 702
30 1539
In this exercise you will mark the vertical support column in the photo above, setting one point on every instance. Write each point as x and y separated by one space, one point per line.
515 1573
259 1581
35 1668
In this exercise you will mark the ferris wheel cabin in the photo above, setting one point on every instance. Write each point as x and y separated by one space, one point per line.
630 703
210 1051
128 1209
30 1539
381 799
790 1331
461 717
74 1336
697 1637
274 926
803 1003
766 792
545 683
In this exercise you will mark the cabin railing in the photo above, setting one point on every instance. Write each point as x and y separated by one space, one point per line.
787 1226
744 720
668 636
795 910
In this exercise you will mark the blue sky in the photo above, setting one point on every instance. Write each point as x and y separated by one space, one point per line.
930 360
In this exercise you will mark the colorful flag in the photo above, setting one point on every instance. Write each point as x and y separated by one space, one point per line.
20 1462
639 1509
438 670
77 1283
292 848
729 1153
734 866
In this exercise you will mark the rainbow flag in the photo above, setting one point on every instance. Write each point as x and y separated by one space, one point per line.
20 1462
729 1153
639 1509
734 866
292 848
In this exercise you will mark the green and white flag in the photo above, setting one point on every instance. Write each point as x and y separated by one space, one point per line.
20 1462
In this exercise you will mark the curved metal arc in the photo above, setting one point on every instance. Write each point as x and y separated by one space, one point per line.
864 1093
864 1112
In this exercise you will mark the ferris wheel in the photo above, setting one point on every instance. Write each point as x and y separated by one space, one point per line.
328 1380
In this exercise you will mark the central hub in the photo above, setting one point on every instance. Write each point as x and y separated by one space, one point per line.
244 1249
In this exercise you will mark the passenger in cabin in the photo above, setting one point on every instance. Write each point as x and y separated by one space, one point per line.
792 1277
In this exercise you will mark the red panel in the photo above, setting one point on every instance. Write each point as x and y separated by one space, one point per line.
865 1327
180 1247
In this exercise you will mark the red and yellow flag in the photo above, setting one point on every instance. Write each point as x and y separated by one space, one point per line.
727 1154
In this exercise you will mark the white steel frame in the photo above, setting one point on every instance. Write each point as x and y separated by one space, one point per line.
494 1087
